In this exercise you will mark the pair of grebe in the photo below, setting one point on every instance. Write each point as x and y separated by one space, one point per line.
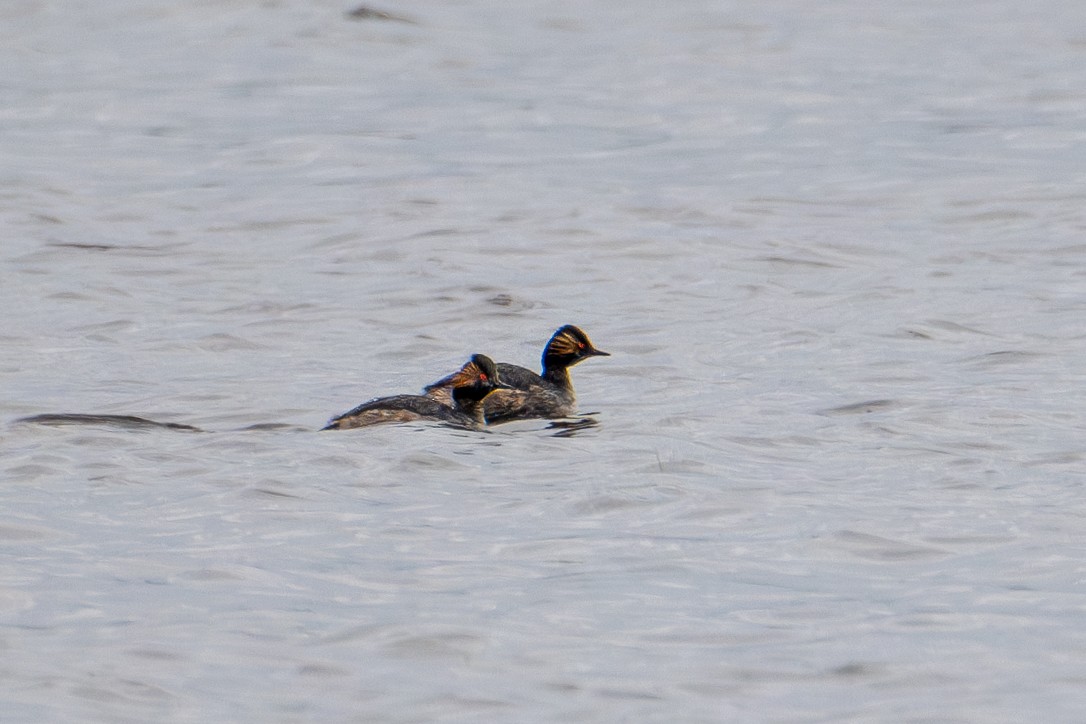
482 392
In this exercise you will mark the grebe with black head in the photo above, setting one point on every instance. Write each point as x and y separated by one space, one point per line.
546 395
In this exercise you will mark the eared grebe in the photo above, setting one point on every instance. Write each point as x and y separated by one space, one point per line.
547 395
468 388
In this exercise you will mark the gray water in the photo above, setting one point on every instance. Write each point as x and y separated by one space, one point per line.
835 249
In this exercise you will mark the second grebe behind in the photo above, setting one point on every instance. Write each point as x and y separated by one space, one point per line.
468 387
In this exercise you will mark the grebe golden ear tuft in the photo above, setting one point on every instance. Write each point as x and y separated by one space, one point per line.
488 372
571 341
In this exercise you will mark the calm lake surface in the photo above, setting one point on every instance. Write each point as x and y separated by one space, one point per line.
837 251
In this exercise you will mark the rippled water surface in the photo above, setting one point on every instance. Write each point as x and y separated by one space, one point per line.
837 253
